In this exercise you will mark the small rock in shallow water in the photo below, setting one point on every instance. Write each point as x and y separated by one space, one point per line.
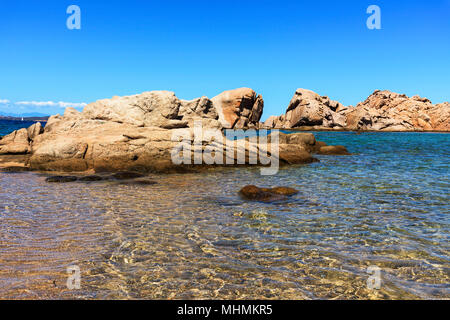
286 191
139 182
266 194
252 192
127 175
90 178
61 179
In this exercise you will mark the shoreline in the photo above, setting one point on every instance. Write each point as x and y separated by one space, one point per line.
309 129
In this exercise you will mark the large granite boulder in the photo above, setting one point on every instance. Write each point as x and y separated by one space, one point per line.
19 141
151 109
307 108
35 130
239 108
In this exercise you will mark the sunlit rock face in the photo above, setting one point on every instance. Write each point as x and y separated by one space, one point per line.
308 108
239 108
381 111
137 133
389 111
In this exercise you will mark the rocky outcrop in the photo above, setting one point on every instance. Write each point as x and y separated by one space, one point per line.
151 109
307 108
381 111
143 133
19 141
15 143
388 111
240 108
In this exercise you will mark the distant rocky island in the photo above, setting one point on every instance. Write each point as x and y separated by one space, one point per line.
136 132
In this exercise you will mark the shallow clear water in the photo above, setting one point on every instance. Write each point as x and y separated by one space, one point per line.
191 236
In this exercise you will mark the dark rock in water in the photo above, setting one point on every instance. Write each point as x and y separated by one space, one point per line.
127 175
320 144
251 192
90 178
138 182
285 191
61 179
14 169
266 194
334 150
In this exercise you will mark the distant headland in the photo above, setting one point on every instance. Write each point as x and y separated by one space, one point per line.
42 119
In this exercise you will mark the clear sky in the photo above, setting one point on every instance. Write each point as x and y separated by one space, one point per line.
200 48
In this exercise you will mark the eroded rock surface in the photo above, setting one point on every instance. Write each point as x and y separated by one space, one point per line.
240 108
307 108
141 133
16 142
389 111
381 111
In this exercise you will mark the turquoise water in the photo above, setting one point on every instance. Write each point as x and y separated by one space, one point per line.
192 237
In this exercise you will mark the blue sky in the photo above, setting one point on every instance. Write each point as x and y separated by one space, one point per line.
200 48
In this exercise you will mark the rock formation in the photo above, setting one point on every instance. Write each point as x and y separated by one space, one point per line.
388 111
307 108
240 108
381 111
136 133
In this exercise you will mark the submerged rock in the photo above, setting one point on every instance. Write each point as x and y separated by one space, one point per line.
127 175
334 150
61 179
90 178
139 182
13 169
286 191
255 193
